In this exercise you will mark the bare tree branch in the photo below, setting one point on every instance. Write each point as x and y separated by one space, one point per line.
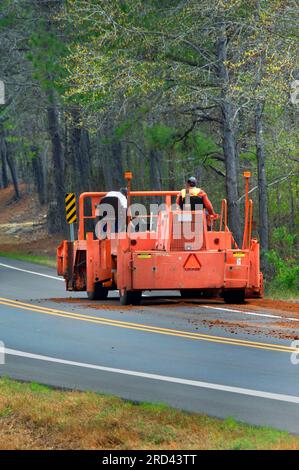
279 180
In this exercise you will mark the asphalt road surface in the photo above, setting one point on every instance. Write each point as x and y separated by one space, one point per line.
163 351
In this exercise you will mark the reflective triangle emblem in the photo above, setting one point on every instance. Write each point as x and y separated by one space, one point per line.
192 263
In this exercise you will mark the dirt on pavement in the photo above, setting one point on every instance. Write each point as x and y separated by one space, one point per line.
285 327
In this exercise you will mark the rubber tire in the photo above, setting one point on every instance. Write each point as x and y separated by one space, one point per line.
130 297
99 292
189 293
234 297
196 294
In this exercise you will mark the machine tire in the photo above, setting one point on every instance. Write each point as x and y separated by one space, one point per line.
130 297
188 293
234 297
196 293
99 292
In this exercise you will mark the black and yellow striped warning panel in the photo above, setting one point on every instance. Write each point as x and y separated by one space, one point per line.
70 208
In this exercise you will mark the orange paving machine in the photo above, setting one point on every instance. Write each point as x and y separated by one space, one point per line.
172 249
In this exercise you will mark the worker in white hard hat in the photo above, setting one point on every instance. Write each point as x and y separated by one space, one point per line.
114 205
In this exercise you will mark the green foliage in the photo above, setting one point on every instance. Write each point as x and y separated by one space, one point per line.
153 407
31 154
39 388
242 444
283 262
197 148
7 21
230 423
203 145
159 136
249 155
284 272
122 129
47 51
8 125
13 139
284 241
5 412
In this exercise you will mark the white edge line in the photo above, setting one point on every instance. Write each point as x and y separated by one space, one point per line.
162 378
250 313
31 272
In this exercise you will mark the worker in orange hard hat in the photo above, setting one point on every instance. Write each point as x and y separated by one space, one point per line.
197 197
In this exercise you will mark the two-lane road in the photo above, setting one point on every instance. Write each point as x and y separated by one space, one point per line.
155 352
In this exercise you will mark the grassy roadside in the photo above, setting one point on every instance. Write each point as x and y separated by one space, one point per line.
275 293
34 416
49 261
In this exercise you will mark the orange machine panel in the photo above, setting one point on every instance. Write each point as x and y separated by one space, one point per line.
179 270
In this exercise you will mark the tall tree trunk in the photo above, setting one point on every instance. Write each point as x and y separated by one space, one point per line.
116 152
12 169
171 170
261 158
278 205
155 177
56 213
86 156
56 209
112 157
105 160
80 150
262 181
292 210
228 138
231 180
4 175
38 176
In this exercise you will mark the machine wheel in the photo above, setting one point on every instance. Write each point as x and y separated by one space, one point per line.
189 293
234 297
130 297
196 293
99 292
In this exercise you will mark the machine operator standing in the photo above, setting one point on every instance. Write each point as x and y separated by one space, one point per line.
196 196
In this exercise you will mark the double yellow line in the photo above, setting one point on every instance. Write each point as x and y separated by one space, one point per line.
145 328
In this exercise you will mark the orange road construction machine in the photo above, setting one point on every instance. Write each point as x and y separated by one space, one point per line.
201 261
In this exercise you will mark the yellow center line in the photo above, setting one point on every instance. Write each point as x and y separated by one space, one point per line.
85 316
143 327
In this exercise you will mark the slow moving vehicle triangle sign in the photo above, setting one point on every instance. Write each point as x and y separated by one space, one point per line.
192 263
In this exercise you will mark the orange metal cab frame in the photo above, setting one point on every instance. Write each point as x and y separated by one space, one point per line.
155 260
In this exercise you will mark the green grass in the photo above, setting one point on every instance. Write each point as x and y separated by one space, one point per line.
41 417
43 260
280 293
6 411
287 295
